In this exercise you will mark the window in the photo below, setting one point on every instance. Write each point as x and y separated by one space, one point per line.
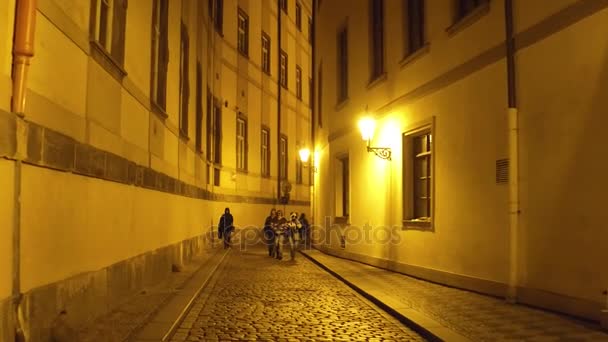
377 38
298 170
283 70
265 152
217 132
214 130
184 84
418 176
265 53
216 11
160 53
342 187
310 31
108 27
342 63
310 92
198 143
320 94
298 82
413 25
241 143
243 33
465 7
283 158
299 16
209 125
283 4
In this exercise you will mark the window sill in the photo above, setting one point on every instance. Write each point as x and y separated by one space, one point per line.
243 171
377 80
418 224
183 136
244 54
156 109
341 220
101 56
469 19
341 104
411 57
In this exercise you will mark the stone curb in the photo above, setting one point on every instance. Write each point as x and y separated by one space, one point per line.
423 325
168 318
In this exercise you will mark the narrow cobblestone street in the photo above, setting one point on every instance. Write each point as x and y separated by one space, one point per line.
257 298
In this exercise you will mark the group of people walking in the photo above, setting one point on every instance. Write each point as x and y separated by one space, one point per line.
280 231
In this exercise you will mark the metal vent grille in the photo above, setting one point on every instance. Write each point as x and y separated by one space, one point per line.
502 171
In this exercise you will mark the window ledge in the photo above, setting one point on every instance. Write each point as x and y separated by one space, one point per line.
341 220
183 136
341 104
377 80
106 60
244 54
417 224
469 19
156 109
243 171
410 58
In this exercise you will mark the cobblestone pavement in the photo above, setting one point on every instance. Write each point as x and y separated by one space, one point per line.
479 317
257 298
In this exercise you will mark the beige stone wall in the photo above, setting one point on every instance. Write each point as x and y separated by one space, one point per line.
459 81
6 227
563 107
74 223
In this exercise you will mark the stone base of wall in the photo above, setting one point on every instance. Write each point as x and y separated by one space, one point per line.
542 299
84 297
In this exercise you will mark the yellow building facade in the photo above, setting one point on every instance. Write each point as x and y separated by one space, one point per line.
143 120
495 184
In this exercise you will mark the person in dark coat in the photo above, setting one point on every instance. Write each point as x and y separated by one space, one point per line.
305 230
269 232
225 228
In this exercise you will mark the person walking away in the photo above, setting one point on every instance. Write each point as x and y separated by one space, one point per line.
304 231
292 234
269 232
280 229
226 227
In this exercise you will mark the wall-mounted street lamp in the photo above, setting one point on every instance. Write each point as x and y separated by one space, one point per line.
367 125
304 157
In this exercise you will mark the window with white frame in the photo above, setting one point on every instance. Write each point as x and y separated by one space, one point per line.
298 82
243 33
265 53
160 53
283 69
265 152
418 176
299 16
241 143
108 27
283 158
342 183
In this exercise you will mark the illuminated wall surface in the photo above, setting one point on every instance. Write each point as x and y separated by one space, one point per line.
456 85
111 184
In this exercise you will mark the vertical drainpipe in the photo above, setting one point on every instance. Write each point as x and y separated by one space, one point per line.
513 141
279 90
23 51
313 112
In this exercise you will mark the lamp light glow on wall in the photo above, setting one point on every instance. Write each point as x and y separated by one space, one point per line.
305 156
367 126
